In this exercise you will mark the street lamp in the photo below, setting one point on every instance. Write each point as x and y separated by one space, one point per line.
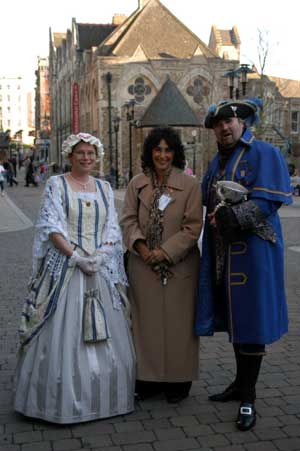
129 105
233 77
194 134
116 122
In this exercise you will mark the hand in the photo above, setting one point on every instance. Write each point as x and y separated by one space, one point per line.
156 256
86 264
99 259
227 223
142 249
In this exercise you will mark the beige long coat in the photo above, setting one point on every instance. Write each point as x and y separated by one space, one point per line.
163 316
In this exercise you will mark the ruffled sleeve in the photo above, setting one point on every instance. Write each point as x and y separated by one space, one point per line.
51 219
112 245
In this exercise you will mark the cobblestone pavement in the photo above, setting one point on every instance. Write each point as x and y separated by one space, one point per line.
193 424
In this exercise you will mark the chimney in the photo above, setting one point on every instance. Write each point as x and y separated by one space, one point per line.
118 19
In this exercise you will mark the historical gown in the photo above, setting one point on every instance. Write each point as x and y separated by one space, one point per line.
76 360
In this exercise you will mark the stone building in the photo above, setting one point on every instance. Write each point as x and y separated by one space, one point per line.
129 63
98 71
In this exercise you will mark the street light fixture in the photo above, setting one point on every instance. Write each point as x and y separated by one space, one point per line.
129 105
116 122
233 77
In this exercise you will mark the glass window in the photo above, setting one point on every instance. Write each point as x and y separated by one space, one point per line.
294 121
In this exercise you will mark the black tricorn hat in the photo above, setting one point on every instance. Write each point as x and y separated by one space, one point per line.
229 108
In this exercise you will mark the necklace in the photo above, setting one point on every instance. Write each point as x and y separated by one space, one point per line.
84 185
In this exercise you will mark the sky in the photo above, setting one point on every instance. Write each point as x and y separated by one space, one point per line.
24 30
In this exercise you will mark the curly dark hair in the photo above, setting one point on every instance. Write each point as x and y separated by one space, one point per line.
173 140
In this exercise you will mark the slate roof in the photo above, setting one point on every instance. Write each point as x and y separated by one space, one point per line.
169 107
91 35
286 87
158 31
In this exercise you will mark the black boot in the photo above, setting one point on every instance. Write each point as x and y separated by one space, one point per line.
231 393
177 391
250 365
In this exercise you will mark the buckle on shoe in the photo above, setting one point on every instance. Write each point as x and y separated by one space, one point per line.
246 410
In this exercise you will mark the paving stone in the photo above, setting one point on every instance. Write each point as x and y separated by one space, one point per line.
18 427
66 445
39 446
10 448
213 440
95 441
5 439
129 426
162 423
28 437
126 438
142 447
176 445
261 446
197 430
189 420
57 434
95 428
169 434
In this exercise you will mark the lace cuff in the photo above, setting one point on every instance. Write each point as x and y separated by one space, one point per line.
250 217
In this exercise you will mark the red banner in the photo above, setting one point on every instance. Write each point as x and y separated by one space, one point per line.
75 109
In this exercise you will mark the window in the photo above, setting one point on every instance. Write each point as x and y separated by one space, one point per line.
294 121
8 98
8 86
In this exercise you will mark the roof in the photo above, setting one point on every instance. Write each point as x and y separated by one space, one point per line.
286 87
158 31
169 107
91 35
226 37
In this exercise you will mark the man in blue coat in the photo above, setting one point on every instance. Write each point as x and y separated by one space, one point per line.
241 288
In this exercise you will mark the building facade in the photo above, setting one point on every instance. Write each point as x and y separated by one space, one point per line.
14 108
95 76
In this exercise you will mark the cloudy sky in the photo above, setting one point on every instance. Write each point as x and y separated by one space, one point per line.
24 31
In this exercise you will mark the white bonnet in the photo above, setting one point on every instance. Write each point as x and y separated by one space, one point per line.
72 140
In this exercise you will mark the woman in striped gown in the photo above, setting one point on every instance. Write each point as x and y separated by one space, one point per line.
76 360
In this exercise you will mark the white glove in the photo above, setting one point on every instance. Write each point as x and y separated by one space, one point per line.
86 264
99 260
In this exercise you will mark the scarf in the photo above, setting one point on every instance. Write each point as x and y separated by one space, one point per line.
155 225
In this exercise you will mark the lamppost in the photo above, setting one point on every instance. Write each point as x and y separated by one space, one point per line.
116 122
129 105
194 134
233 77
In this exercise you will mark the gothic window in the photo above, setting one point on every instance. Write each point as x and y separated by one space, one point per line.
139 90
198 89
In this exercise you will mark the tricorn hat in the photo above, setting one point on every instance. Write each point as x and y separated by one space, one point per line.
243 109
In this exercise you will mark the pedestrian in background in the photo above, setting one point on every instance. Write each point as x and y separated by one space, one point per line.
2 177
161 223
241 287
29 172
77 360
9 173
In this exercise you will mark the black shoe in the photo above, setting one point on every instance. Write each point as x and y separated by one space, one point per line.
230 394
145 390
246 417
174 398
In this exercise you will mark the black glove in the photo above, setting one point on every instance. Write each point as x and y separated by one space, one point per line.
227 224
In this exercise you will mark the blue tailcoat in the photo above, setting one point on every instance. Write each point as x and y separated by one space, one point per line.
257 311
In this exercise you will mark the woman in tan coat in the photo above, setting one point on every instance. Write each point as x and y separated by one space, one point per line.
161 223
